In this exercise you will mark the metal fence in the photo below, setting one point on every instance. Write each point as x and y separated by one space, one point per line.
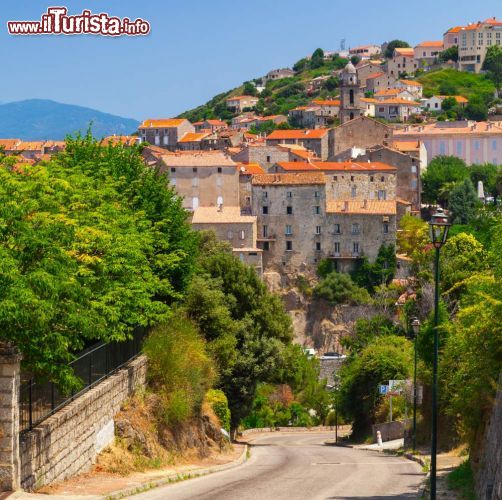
40 399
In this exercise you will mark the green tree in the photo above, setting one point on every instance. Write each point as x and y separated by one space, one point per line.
394 44
381 272
301 65
317 59
450 54
441 171
488 175
331 84
385 358
448 104
476 109
249 89
463 202
338 288
493 65
92 245
355 60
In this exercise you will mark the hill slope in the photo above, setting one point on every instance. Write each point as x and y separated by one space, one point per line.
38 119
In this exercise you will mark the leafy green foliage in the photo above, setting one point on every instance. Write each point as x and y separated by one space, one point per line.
338 288
476 109
317 59
489 175
461 479
413 240
384 358
450 54
381 272
493 65
394 44
179 368
92 244
219 404
441 175
463 201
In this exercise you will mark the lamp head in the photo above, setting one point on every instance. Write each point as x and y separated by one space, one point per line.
439 227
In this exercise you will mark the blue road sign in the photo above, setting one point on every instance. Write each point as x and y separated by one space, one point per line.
384 389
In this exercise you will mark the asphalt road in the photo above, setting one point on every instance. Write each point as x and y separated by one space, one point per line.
299 466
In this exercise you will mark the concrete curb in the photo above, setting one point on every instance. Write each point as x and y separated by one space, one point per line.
176 477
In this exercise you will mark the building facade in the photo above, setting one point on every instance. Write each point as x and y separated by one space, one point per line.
402 62
165 133
350 95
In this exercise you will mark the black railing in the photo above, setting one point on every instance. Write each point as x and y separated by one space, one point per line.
39 399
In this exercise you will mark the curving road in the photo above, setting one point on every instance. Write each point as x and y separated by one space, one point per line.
299 466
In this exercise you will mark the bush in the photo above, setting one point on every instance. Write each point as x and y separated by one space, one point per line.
219 404
179 368
339 288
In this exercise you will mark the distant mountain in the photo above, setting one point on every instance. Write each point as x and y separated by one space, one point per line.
37 119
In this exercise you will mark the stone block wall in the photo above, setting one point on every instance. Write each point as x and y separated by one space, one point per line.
391 430
67 442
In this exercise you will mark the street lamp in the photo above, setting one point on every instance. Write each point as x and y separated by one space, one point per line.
415 326
439 226
336 387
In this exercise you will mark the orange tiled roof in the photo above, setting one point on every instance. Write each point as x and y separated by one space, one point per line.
370 100
459 98
197 159
194 136
303 153
298 134
369 207
406 145
435 43
352 166
445 128
411 82
378 74
299 179
455 29
162 122
241 97
216 123
399 102
250 169
405 51
330 102
388 92
297 166
9 144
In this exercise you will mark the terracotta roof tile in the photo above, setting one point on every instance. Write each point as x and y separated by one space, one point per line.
352 166
298 166
194 136
299 179
162 122
368 207
197 159
250 169
328 102
411 82
318 133
405 51
431 43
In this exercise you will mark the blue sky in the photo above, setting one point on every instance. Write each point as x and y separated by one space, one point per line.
198 48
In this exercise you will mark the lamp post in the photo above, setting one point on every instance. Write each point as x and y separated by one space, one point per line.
439 226
336 387
415 326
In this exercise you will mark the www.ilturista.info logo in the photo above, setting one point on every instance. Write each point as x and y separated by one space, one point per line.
57 22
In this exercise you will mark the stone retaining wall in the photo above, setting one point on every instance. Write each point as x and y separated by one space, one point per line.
391 430
67 442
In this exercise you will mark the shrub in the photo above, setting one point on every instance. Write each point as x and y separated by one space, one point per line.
339 288
219 404
179 368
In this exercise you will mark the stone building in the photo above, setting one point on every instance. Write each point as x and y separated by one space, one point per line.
240 231
357 229
428 52
165 133
378 81
350 94
366 69
397 110
291 211
203 178
320 141
241 102
362 132
210 125
278 74
402 62
246 172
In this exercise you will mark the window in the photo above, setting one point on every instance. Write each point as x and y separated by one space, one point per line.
268 159
230 235
318 230
195 202
165 140
173 182
459 148
220 170
337 247
156 131
335 178
442 148
494 145
385 227
195 181
266 246
382 179
351 178
289 246
413 169
265 195
242 234
317 210
194 170
355 247
338 229
264 210
157 140
317 194
219 201
219 181
318 246
476 145
289 230
173 170
414 184
289 194
371 178
355 228
289 210
265 231
382 194
354 191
